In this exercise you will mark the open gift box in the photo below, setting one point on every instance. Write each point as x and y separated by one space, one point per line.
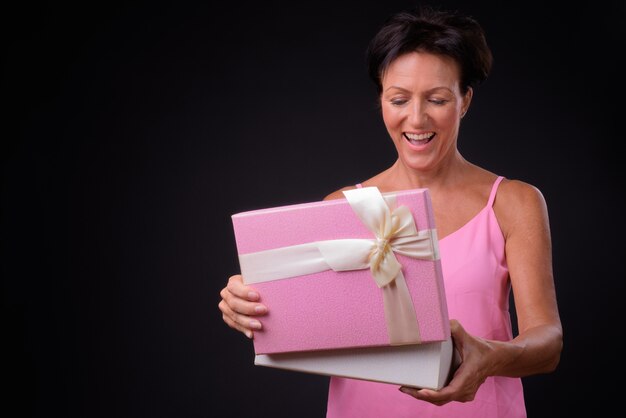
353 286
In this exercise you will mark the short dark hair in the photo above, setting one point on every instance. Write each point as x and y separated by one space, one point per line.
435 31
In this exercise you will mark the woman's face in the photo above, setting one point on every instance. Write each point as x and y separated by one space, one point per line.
422 106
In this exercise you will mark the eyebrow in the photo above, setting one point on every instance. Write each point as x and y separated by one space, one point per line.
428 91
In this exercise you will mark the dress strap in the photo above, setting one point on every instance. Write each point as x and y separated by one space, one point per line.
494 189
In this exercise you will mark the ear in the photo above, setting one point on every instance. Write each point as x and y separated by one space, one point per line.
467 99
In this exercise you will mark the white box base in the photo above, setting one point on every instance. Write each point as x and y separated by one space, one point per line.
428 365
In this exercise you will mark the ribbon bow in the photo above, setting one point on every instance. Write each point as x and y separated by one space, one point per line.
395 232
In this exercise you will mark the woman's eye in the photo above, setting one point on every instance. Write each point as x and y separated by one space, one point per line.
438 101
398 102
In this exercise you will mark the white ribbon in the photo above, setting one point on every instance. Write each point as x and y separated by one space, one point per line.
394 232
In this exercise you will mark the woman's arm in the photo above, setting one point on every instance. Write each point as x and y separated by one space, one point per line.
522 213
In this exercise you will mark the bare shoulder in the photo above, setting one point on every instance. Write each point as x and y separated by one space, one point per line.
517 193
518 203
338 194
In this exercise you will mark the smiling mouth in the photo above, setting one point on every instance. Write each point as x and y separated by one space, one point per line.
419 139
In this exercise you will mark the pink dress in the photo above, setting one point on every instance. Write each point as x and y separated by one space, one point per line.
477 292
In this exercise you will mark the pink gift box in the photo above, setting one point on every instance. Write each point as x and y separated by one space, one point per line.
332 310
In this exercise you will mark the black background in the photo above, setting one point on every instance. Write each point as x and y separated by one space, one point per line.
134 130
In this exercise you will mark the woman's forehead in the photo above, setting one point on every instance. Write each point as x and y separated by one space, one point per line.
422 68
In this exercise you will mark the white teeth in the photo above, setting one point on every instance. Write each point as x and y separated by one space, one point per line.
419 137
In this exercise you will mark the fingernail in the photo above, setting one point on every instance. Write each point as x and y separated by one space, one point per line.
255 324
253 295
248 334
260 309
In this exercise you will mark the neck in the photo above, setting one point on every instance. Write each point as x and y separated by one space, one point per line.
404 177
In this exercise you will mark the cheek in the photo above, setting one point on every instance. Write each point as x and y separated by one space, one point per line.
447 118
390 118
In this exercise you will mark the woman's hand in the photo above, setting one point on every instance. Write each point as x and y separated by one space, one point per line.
239 305
472 372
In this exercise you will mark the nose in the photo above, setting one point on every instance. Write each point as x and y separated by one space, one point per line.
417 114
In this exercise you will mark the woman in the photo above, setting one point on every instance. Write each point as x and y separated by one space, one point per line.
494 232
